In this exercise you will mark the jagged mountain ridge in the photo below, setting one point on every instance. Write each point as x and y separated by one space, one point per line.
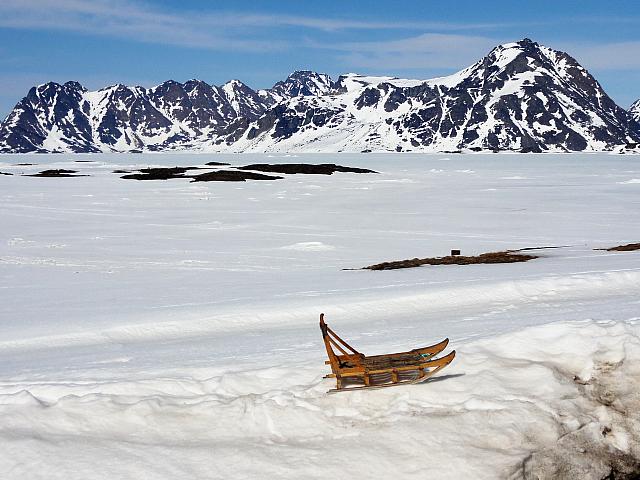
522 96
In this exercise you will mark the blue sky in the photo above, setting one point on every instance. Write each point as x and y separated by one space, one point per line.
259 42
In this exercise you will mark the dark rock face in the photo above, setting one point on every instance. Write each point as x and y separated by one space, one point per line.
634 110
305 168
128 115
369 98
521 97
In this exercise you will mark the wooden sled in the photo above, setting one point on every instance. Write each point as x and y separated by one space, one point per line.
353 370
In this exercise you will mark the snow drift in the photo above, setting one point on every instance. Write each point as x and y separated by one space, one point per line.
555 401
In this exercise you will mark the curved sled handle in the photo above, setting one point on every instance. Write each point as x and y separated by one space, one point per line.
323 326
331 338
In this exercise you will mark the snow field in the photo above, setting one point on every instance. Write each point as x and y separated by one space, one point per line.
169 330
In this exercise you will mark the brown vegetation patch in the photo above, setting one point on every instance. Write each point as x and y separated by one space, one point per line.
304 168
491 257
57 173
231 176
629 247
217 164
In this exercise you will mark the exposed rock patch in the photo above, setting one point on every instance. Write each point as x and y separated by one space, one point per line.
181 172
491 257
231 176
622 248
57 173
159 173
305 168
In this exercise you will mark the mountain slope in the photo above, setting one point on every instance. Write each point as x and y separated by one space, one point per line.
522 96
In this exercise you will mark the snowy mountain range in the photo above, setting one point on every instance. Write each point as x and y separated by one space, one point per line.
522 96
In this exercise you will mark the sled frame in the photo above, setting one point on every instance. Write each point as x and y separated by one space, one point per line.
378 371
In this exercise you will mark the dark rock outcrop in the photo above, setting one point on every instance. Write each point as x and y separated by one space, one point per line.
305 168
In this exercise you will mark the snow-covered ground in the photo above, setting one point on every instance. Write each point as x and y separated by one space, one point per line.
168 329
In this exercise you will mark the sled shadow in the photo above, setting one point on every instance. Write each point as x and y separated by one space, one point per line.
444 377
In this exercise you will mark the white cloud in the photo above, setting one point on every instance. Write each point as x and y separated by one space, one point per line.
605 56
122 19
455 51
427 51
252 32
207 29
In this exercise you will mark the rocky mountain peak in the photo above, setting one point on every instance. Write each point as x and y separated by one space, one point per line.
299 83
235 85
525 56
195 84
73 85
48 91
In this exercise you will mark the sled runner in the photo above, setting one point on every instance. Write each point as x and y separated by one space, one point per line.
353 370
